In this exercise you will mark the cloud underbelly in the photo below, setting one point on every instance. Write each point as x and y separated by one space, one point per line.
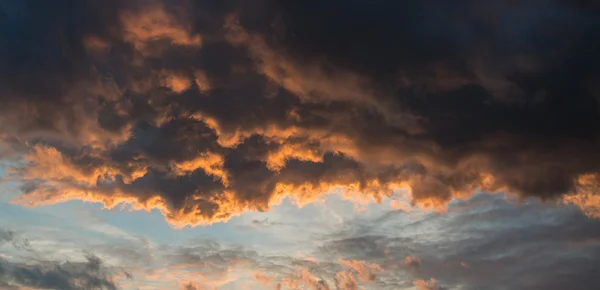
203 116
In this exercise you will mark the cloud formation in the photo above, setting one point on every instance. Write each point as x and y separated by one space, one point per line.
91 274
476 244
204 111
427 285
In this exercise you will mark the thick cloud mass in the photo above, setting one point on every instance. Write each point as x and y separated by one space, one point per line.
205 109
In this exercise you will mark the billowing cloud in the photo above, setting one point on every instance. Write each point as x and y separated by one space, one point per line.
204 111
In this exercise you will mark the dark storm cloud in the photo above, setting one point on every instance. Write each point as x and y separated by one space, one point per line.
549 49
42 44
206 109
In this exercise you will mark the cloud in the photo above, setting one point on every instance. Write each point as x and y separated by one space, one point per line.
585 196
486 239
476 244
366 271
152 23
91 274
191 286
33 265
263 279
310 82
432 284
6 236
412 262
305 279
205 111
208 265
18 242
345 281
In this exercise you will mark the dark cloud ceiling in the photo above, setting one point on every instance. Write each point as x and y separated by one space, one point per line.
205 109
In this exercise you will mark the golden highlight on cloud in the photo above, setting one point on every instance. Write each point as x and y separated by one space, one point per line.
366 271
176 82
152 23
312 82
211 163
412 262
431 284
201 81
206 112
263 279
345 281
586 195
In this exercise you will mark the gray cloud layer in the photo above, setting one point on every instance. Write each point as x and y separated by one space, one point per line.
486 242
55 275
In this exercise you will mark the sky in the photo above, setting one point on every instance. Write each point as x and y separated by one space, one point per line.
316 144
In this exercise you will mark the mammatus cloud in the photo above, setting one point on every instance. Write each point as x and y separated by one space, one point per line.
204 111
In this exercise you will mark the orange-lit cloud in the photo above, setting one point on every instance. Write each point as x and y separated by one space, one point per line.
211 163
366 271
263 279
153 23
311 82
178 83
48 163
412 262
191 285
63 180
431 284
202 81
586 195
345 281
304 279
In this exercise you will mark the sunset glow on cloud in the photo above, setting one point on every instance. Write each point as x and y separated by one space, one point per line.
269 144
